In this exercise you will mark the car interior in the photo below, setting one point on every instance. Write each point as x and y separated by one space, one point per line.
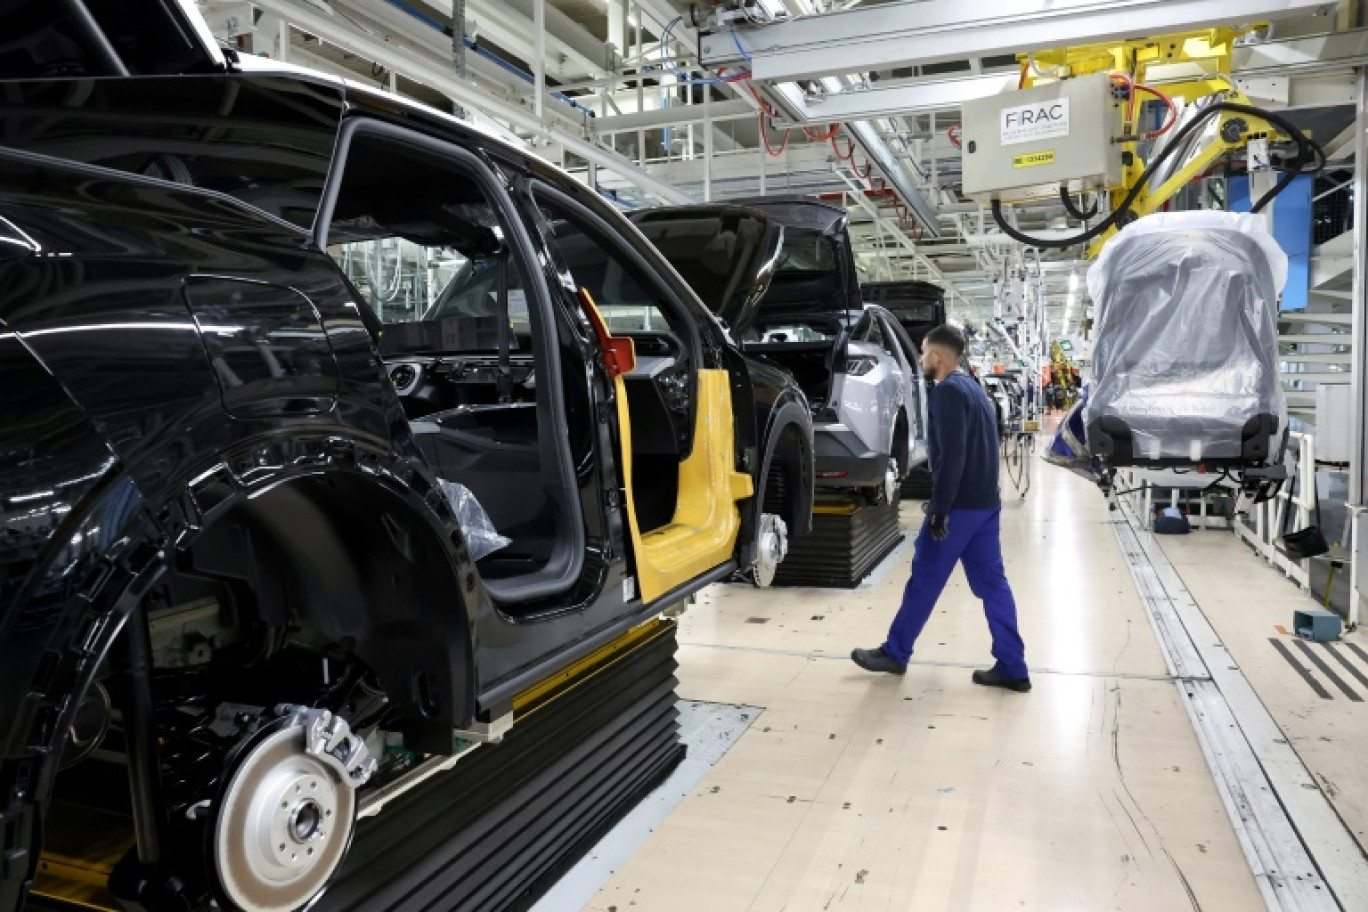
660 386
419 240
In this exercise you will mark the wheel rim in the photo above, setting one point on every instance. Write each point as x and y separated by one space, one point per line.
891 482
773 548
285 821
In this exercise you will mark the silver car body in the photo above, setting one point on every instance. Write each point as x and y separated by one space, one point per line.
881 380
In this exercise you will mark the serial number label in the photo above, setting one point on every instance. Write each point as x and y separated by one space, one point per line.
1033 159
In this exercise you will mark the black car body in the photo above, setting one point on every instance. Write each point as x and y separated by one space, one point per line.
233 408
918 306
799 307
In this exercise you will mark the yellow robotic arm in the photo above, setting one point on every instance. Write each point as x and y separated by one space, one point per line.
1188 71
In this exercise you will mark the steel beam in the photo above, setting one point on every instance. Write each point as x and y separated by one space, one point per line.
918 32
893 169
1290 62
1358 476
731 109
888 100
436 72
1340 51
873 146
857 193
566 37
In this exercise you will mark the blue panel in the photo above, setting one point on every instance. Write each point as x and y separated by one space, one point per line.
1291 228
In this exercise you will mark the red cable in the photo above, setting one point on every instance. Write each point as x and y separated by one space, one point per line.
764 135
1130 100
764 112
848 155
1172 108
1135 89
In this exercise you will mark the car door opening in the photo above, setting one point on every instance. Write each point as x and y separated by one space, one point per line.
464 344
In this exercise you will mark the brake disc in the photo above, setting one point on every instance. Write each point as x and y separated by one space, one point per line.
773 548
286 814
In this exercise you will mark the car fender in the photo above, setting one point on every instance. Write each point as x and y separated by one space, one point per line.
791 412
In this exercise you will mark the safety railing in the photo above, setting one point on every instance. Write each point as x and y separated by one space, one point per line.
1262 527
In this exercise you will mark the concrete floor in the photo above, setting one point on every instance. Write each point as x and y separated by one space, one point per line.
854 791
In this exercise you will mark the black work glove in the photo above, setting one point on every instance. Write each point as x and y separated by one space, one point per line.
939 527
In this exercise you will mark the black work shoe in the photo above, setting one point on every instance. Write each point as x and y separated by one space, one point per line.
877 660
991 678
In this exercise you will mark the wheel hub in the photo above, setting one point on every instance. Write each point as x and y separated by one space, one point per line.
773 548
891 482
286 815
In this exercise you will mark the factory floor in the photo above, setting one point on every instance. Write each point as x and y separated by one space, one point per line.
854 791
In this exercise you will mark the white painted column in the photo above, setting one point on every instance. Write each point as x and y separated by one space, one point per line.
1358 464
707 144
617 26
539 65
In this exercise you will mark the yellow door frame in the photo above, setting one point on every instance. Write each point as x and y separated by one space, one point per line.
702 533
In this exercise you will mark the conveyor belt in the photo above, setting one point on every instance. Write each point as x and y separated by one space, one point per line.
845 544
917 484
494 832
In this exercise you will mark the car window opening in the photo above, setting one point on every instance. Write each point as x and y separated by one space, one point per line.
660 388
424 247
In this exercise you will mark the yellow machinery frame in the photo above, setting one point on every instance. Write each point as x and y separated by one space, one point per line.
1199 65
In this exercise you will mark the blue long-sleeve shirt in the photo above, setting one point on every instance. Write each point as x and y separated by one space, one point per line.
963 438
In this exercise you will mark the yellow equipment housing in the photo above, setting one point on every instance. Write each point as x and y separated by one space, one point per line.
1187 67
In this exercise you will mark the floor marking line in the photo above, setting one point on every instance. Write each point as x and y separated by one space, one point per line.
1357 650
1328 672
928 663
1348 666
1301 669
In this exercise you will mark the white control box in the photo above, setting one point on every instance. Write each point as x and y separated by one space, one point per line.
1026 145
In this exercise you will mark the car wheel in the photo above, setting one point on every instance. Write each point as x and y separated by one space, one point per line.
285 818
889 491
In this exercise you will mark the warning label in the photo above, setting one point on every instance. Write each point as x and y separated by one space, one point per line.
1028 123
1032 159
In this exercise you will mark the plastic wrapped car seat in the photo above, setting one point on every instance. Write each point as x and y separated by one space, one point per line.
1186 358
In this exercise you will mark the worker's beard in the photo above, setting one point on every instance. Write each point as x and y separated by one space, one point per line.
930 376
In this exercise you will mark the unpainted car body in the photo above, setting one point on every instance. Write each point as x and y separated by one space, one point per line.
233 412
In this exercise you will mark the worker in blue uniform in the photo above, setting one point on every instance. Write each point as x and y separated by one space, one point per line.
962 523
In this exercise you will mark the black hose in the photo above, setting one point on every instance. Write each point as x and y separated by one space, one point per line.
1071 208
1307 149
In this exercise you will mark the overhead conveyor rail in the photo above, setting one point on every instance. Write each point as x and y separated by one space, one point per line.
921 32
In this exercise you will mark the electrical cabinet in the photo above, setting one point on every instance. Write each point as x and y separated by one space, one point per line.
1026 145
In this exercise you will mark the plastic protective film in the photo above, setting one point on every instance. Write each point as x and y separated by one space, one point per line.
481 537
1187 336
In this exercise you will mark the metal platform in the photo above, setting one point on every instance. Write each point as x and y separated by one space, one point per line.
846 543
495 831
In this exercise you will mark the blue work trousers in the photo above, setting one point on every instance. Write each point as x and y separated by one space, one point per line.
976 539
